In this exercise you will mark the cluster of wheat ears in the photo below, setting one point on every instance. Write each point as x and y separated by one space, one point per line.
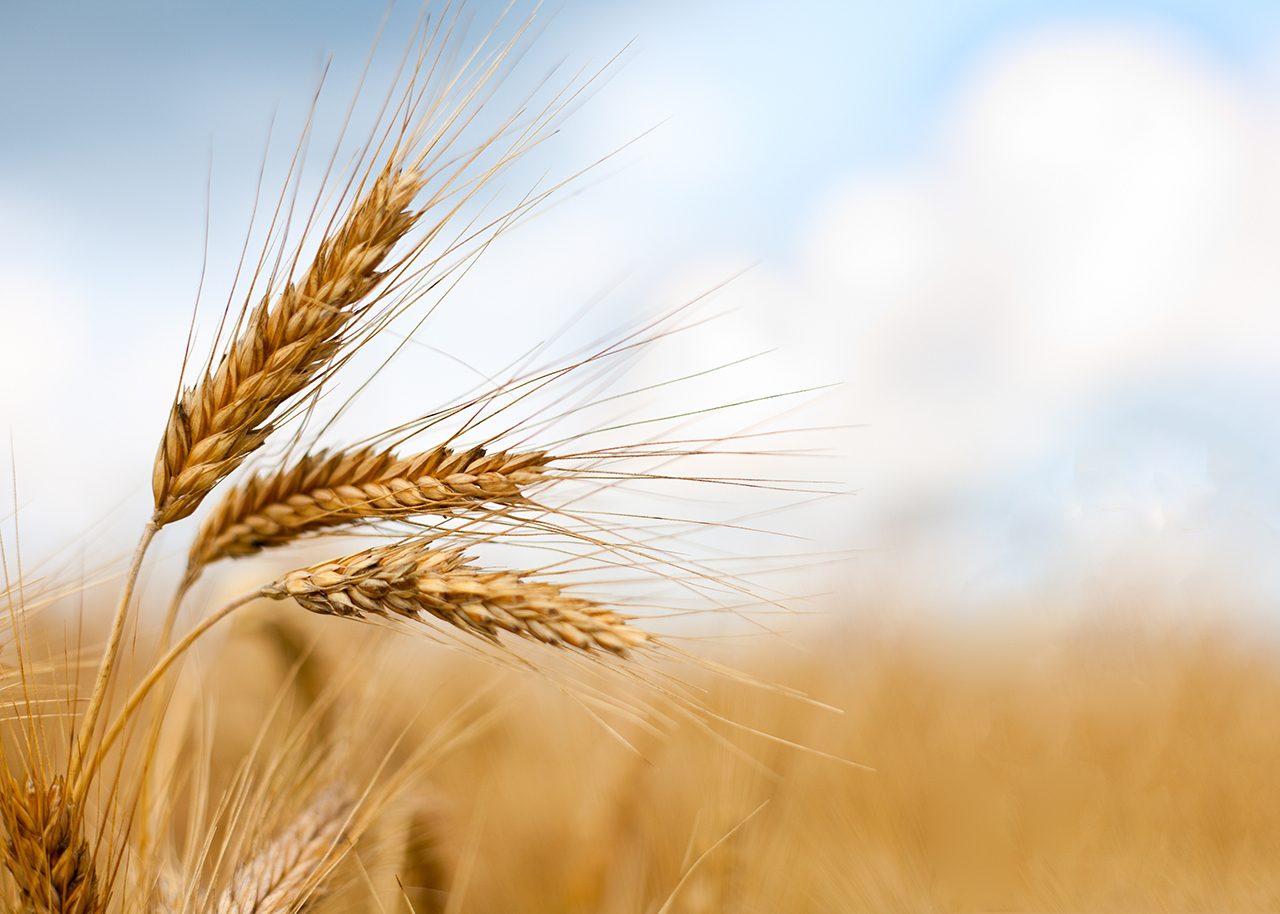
81 832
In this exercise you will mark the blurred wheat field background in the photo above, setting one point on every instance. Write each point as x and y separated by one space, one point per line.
498 559
1102 767
1095 766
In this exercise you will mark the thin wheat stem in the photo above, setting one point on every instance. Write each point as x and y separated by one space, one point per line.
157 724
94 709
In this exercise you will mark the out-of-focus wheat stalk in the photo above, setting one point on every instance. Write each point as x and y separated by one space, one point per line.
424 870
412 579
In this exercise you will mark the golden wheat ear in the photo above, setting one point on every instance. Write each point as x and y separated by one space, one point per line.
46 852
285 346
412 580
329 490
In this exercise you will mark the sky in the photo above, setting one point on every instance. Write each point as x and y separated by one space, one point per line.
1032 243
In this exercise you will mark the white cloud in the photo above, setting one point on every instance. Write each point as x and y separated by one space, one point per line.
1099 214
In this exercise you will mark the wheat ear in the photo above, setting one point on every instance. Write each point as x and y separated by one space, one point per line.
46 852
410 579
324 490
283 349
292 867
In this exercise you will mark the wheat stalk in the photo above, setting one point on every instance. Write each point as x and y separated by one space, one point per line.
45 851
410 579
327 490
290 869
282 350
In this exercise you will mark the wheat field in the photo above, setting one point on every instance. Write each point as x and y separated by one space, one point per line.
495 657
1092 767
1104 769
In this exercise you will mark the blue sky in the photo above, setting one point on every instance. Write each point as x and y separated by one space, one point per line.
1008 228
817 89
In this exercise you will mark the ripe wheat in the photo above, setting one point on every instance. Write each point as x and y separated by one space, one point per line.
278 354
46 851
285 346
326 490
411 579
292 866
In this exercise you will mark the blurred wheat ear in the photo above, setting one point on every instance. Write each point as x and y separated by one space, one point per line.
292 867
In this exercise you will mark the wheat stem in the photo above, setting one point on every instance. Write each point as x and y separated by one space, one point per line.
96 698
153 733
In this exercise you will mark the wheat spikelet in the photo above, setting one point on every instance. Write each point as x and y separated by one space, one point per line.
409 579
283 349
327 490
290 869
45 851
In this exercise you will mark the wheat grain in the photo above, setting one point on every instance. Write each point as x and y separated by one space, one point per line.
327 490
409 579
291 868
45 850
285 346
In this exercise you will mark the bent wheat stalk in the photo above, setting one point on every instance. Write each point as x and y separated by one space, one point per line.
90 720
410 579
